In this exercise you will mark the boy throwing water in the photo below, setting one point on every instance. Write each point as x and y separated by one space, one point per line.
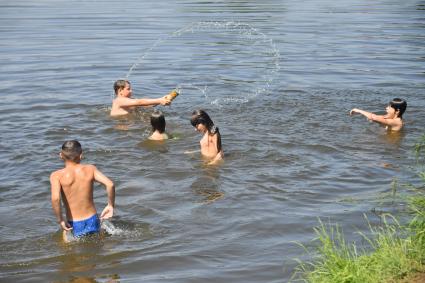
74 184
123 103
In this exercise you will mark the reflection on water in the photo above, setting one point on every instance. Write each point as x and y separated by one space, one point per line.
112 278
207 185
80 255
151 145
88 254
134 120
393 138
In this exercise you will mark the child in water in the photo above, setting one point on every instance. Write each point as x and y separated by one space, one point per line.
392 120
123 103
74 185
211 141
158 126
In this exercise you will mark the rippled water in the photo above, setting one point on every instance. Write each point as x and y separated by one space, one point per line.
277 77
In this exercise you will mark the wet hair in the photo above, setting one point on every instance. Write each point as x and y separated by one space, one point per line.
120 84
71 150
400 105
201 117
158 121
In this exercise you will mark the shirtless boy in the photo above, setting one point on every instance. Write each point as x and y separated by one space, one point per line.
123 103
74 184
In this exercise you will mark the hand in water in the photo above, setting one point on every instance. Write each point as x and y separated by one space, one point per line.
65 226
107 212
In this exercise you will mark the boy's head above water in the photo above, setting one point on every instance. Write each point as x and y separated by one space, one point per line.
71 151
120 85
399 105
158 121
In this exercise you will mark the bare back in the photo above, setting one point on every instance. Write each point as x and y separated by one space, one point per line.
77 190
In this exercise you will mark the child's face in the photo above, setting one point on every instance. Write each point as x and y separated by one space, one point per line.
391 111
201 128
126 91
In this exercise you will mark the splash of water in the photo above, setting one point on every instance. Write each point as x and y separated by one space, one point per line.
245 32
111 229
125 229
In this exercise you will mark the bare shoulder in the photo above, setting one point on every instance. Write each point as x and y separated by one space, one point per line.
122 100
88 167
56 174
395 122
55 177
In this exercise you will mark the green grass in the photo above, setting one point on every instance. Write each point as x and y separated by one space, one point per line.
392 251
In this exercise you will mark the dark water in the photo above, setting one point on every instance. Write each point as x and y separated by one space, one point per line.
277 77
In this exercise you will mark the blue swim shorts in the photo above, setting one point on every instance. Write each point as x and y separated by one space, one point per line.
86 226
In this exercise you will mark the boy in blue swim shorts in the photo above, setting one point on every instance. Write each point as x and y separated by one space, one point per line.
74 186
85 227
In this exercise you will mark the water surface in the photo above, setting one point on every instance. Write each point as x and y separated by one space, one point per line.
277 77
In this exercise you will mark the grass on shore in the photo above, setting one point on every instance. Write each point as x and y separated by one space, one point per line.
398 251
395 253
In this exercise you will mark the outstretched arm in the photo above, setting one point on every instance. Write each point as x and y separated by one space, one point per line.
108 211
55 188
375 118
128 102
368 115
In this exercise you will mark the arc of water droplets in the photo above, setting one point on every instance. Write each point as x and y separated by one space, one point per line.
245 30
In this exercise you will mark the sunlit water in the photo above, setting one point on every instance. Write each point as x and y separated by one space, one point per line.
278 78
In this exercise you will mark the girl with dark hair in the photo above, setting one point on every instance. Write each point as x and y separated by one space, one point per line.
392 120
158 126
211 141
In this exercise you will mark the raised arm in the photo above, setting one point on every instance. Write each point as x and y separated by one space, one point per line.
55 188
108 211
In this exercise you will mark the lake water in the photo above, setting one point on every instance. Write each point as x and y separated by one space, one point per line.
277 77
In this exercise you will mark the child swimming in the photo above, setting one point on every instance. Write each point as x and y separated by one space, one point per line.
158 127
211 141
392 120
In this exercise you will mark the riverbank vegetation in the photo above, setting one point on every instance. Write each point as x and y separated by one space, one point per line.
392 252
